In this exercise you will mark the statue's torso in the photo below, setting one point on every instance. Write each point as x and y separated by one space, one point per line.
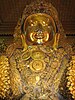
37 71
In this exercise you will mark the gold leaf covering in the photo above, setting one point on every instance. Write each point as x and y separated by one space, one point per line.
4 77
71 77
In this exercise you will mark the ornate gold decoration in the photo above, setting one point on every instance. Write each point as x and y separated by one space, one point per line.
4 77
71 77
33 79
16 82
15 78
38 54
26 55
42 76
37 65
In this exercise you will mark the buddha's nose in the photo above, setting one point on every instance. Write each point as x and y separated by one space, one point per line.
39 34
39 29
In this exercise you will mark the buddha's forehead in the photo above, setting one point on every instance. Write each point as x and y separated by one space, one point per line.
38 17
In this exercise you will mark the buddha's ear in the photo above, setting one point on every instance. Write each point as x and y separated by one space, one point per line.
25 46
56 41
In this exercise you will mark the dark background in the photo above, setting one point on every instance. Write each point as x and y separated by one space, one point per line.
11 10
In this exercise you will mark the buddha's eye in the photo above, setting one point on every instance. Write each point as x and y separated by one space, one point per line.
43 23
33 23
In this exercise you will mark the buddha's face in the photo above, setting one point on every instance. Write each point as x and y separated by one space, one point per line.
39 28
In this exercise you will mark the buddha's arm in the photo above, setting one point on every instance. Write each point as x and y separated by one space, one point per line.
67 84
60 72
10 80
15 79
71 77
4 77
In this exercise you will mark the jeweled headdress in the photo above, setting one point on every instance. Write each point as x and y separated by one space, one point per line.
42 7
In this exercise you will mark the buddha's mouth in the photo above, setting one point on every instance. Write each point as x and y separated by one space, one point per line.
39 36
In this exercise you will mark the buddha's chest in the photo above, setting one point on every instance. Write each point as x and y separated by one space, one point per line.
39 69
42 62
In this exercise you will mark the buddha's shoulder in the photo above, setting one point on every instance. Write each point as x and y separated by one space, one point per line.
12 49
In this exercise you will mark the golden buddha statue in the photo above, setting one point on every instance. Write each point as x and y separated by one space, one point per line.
37 62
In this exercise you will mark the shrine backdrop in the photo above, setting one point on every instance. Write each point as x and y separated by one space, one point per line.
11 10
